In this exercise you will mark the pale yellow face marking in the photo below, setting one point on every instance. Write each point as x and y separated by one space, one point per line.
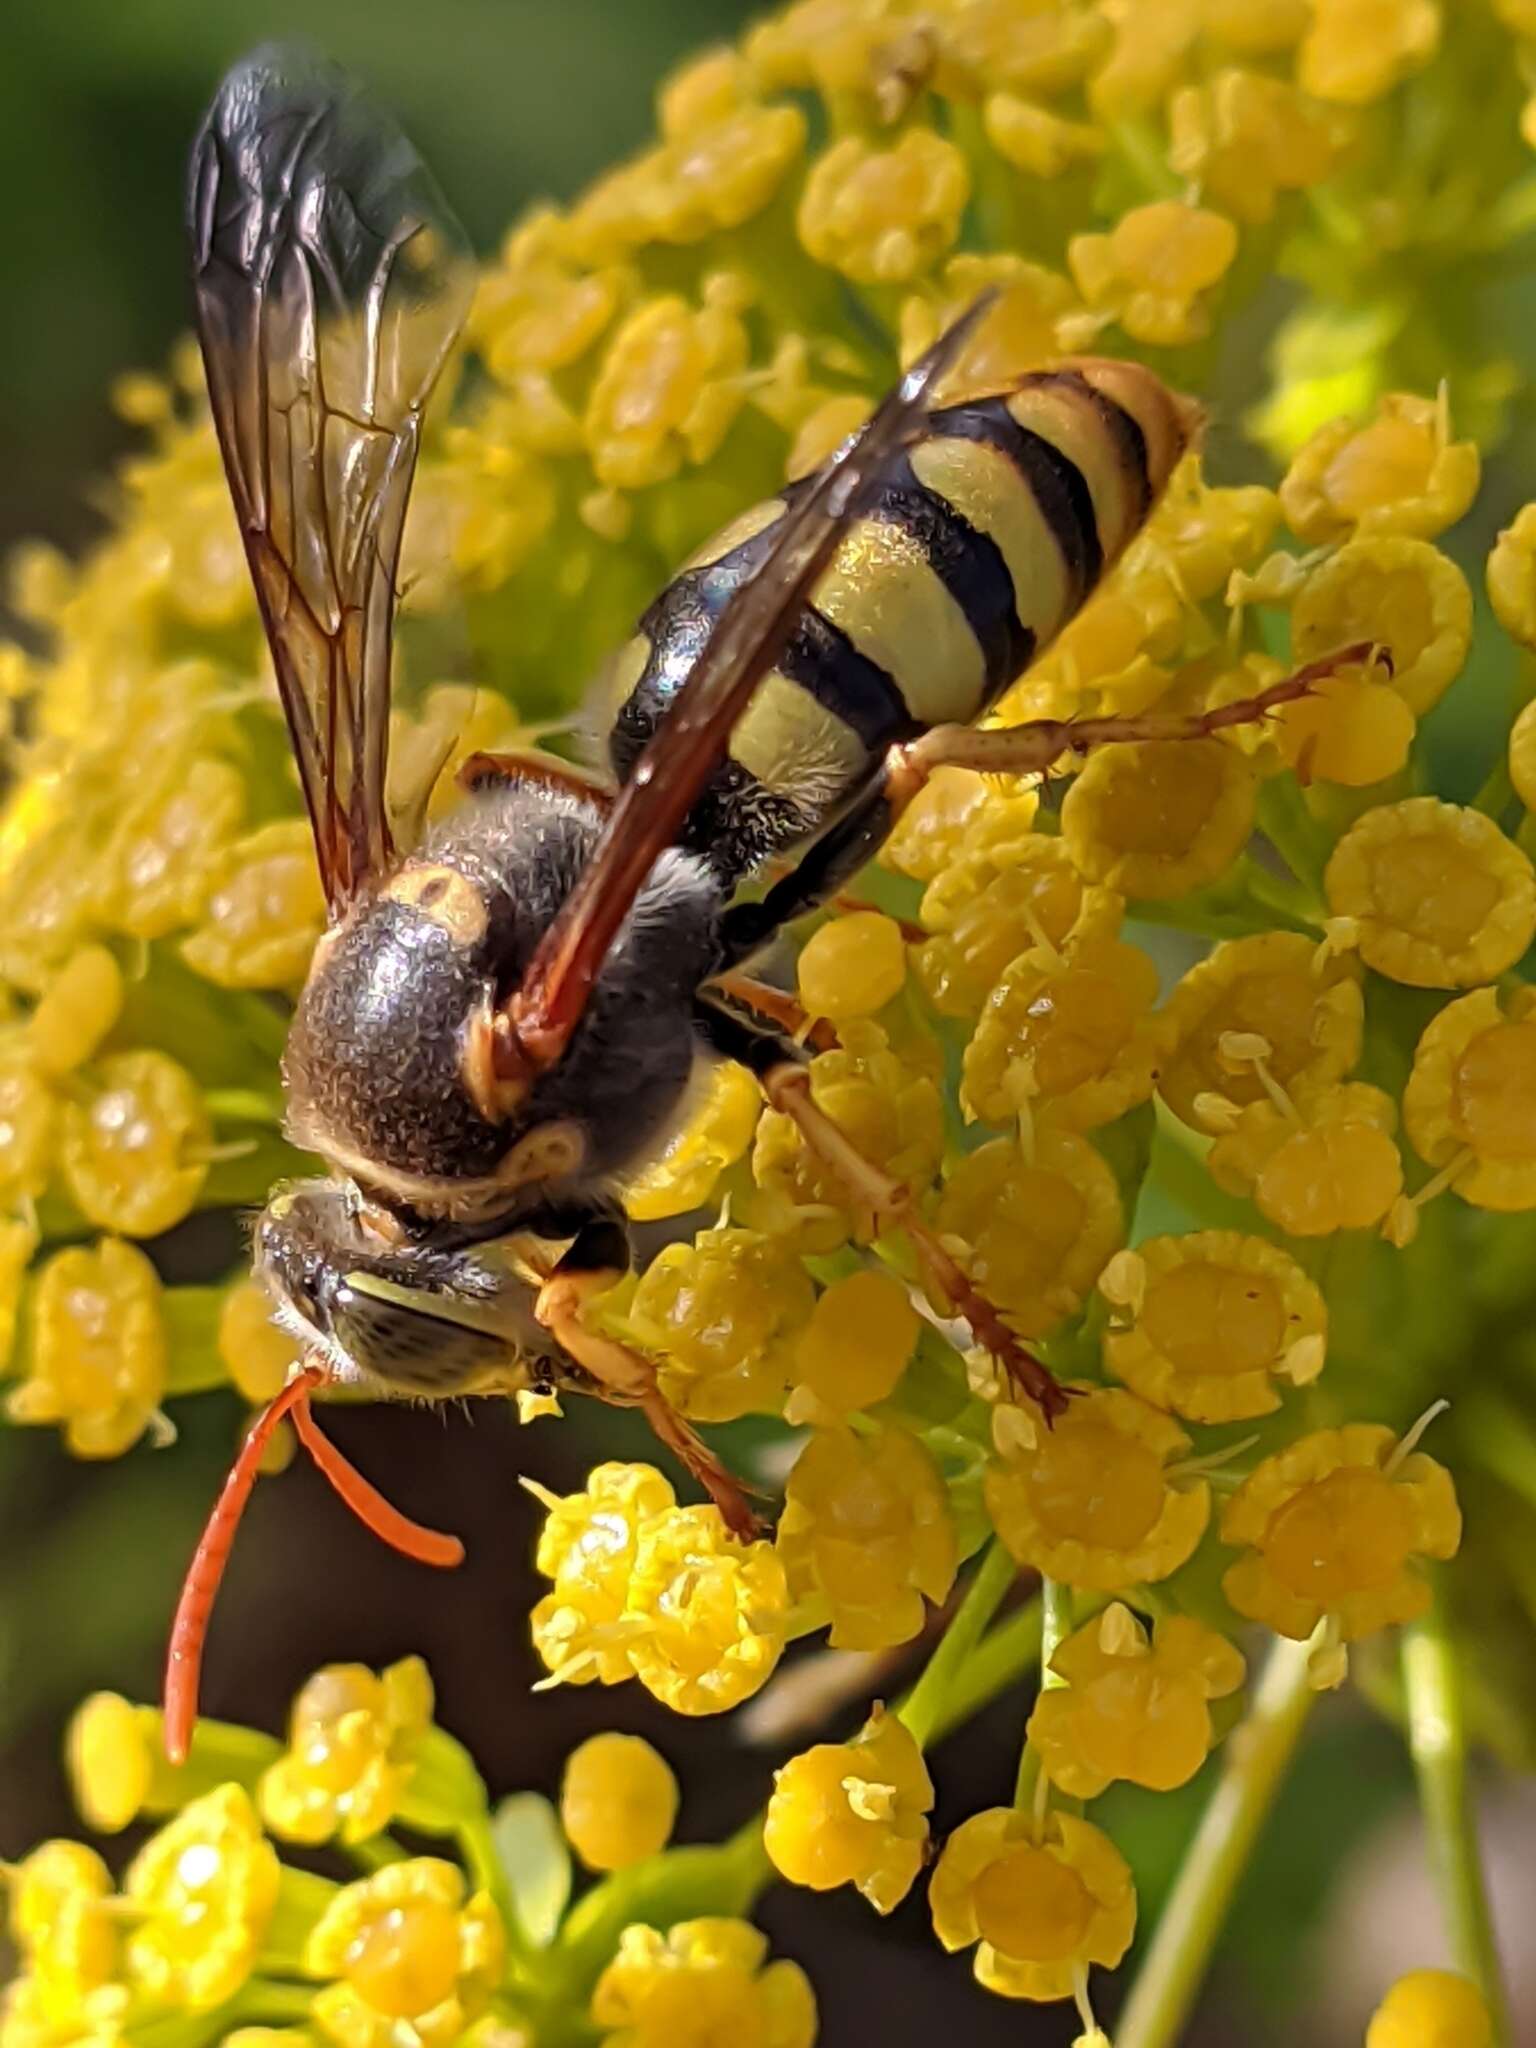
882 593
988 490
747 527
794 745
1069 422
445 898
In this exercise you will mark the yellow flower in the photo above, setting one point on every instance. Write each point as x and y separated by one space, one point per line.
668 388
29 1118
1092 1501
1470 1102
855 1348
1006 897
1401 594
1245 138
1133 1706
135 1156
944 819
1033 1225
682 1176
853 1813
880 216
1273 986
1353 729
866 1526
1210 1321
204 1888
64 1926
1440 897
61 1920
1155 820
702 1982
264 912
416 1961
1335 1525
618 1800
1071 1039
724 1312
1399 474
97 1362
890 1111
1357 50
75 1012
115 1755
1035 140
18 1241
168 851
352 1744
1152 270
1042 1906
255 1351
587 1546
721 159
1328 1163
1512 577
706 1613
1431 2009
852 966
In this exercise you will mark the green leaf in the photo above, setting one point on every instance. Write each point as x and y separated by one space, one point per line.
538 1864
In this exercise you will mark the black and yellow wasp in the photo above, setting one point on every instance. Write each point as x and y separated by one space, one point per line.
503 1018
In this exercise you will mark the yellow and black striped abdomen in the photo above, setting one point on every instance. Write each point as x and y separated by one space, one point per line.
979 544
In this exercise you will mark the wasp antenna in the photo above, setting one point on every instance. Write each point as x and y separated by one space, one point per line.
427 1546
189 1630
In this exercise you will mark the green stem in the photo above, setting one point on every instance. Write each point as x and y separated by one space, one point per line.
923 1708
1256 1761
1001 1659
1055 1627
1438 1742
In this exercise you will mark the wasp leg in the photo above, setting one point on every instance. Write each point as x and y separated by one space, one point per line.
833 859
785 1081
629 1380
776 1006
1031 749
486 771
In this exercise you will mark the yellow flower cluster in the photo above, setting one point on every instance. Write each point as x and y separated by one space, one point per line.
211 1938
1211 1065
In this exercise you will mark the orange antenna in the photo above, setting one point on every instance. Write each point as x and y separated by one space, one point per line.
412 1539
189 1629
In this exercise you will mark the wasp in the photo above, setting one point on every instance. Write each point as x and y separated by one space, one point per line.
504 1014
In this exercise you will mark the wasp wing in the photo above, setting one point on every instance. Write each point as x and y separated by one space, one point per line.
331 282
675 766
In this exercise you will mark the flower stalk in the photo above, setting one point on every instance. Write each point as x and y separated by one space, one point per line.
1437 1741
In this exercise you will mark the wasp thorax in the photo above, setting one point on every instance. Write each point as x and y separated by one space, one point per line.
385 1061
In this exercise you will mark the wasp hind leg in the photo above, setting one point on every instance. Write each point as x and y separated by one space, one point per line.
780 1068
1033 748
595 1262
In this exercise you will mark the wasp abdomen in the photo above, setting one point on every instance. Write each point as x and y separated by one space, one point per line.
979 544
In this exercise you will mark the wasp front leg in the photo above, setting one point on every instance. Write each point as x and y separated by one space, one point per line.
598 1260
785 1080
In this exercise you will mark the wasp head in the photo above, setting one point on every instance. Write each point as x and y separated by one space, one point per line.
385 1309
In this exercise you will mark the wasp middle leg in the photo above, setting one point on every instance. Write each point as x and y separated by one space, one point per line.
779 1065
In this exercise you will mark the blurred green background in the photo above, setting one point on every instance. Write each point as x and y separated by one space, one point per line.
510 101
